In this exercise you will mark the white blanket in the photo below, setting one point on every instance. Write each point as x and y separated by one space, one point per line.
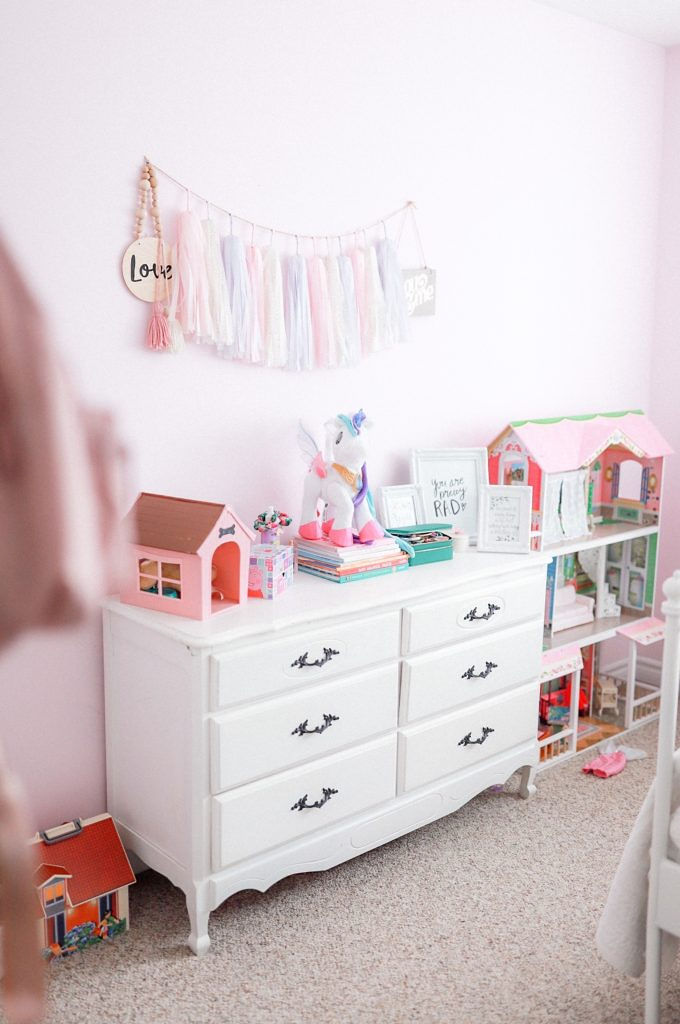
622 929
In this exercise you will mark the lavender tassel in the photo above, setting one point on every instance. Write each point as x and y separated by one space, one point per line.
298 317
375 314
238 289
396 317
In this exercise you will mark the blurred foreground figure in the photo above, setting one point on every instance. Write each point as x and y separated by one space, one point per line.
60 468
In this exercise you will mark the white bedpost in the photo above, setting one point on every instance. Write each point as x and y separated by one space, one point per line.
662 792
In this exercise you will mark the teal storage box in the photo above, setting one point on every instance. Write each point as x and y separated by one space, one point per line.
430 542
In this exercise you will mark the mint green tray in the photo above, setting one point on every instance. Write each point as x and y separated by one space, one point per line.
427 551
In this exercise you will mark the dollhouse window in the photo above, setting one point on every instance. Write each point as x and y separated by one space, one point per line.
630 480
54 894
167 581
514 468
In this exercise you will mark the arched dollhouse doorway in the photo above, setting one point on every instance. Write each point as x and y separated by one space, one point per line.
226 574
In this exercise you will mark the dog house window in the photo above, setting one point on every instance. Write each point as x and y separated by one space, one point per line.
169 574
54 893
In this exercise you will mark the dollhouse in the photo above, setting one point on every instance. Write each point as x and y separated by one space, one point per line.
583 470
187 558
596 505
81 881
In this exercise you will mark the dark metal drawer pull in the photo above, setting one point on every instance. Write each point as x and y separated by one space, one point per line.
471 674
467 741
303 660
472 615
302 805
302 729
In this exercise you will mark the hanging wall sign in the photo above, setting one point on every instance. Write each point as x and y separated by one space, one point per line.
420 289
147 269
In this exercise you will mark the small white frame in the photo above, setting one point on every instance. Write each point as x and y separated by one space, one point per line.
400 502
517 501
446 473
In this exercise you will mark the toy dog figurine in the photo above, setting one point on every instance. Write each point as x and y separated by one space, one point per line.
341 481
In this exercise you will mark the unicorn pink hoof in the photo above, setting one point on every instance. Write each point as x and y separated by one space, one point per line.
310 531
341 538
327 526
371 531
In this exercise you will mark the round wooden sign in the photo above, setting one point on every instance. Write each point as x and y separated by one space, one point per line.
147 269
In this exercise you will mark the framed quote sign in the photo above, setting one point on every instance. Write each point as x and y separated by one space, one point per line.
505 518
401 505
451 480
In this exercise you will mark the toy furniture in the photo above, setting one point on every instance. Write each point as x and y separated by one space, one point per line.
583 470
187 558
293 735
607 693
571 609
82 878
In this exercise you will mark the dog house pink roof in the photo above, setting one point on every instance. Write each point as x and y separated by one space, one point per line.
199 553
570 442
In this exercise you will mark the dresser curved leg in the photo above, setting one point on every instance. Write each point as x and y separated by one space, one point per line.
199 940
527 786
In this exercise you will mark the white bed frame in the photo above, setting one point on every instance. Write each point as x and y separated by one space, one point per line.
663 908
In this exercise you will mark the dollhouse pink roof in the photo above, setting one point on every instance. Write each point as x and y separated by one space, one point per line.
175 524
573 441
94 860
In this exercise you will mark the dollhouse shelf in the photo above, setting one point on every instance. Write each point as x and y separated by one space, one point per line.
608 533
591 633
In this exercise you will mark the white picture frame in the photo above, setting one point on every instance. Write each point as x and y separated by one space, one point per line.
401 505
451 479
505 518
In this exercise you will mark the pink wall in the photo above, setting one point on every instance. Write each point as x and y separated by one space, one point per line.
666 348
531 141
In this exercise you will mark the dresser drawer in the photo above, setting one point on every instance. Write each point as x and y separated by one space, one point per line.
254 818
447 745
303 658
468 671
482 609
247 744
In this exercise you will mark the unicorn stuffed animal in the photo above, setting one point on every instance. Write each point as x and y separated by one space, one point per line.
341 481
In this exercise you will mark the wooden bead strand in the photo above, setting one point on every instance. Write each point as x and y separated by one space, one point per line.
147 198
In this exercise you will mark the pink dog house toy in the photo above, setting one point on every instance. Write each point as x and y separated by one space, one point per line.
190 558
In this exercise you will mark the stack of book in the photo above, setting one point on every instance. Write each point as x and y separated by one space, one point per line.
346 565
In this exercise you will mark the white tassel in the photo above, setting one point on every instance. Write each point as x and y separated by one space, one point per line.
254 352
238 288
338 352
396 318
374 305
298 318
223 330
177 342
275 340
352 329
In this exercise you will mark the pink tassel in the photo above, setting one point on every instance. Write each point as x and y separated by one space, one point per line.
158 332
191 300
320 310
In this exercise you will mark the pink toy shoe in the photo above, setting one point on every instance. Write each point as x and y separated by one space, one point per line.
311 531
371 531
606 765
341 538
327 526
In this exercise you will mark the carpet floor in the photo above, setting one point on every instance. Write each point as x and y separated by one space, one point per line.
484 917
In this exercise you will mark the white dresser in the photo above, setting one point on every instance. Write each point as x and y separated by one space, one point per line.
289 736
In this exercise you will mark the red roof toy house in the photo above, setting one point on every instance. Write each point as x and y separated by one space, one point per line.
82 881
189 558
